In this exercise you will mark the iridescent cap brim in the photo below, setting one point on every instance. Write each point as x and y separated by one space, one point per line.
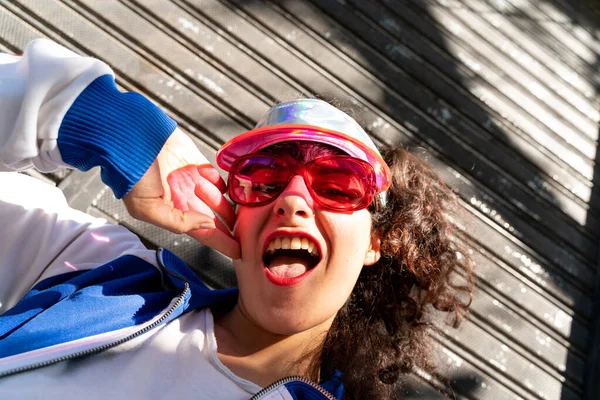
308 120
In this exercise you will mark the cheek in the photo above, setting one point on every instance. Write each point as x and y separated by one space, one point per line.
248 221
350 237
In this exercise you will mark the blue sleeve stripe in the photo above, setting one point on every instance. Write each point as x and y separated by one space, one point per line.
120 132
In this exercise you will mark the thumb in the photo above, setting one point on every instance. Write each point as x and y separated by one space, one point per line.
184 221
165 216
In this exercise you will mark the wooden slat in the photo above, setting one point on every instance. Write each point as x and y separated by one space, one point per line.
585 15
156 80
527 339
167 53
592 383
529 300
517 12
485 378
221 48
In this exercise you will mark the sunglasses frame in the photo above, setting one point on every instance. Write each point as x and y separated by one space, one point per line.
301 169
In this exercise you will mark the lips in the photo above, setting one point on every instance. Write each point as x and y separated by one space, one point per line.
290 257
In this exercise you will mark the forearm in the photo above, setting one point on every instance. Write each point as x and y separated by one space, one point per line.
61 109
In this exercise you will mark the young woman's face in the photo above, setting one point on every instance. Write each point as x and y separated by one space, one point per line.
287 292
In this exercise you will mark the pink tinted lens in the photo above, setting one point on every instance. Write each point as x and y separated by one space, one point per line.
341 184
257 179
337 183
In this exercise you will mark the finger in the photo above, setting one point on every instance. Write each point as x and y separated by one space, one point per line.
198 205
220 225
163 215
190 190
211 174
218 240
212 197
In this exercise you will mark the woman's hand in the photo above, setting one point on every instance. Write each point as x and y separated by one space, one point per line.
179 192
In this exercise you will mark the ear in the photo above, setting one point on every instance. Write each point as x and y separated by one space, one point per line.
373 253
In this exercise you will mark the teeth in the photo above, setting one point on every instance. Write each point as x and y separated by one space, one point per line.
304 244
296 243
293 243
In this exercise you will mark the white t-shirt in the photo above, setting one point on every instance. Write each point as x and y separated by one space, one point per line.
177 360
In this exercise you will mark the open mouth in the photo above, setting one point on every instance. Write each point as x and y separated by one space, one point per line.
291 257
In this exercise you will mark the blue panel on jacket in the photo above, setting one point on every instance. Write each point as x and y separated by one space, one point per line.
125 292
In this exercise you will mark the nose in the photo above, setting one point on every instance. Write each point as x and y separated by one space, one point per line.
295 200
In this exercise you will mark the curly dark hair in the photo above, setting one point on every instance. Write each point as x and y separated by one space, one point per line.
381 333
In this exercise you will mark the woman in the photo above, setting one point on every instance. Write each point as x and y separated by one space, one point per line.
339 252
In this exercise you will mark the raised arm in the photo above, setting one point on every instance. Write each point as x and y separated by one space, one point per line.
60 109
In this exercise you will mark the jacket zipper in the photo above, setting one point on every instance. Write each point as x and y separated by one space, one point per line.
288 379
179 300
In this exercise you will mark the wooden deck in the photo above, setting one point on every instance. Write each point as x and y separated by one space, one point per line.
503 94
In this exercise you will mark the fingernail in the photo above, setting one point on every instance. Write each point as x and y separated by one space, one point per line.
207 225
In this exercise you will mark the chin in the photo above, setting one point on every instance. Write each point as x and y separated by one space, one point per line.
288 322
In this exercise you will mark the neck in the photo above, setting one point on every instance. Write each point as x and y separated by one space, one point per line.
261 356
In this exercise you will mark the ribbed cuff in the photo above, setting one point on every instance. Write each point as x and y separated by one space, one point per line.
122 133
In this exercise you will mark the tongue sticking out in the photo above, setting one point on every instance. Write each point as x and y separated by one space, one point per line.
288 266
